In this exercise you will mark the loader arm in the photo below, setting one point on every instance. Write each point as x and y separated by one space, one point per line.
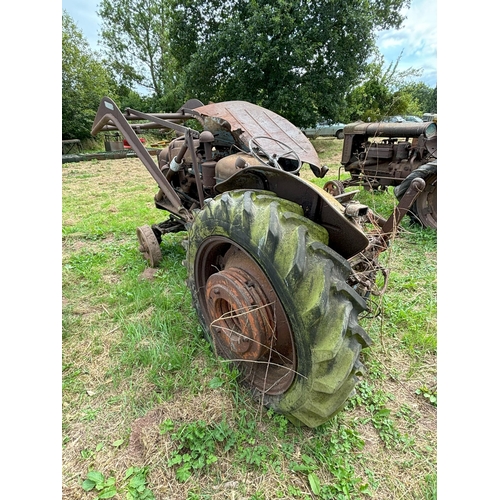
109 111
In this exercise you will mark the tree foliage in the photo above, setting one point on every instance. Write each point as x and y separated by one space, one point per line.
386 91
375 97
425 96
135 34
85 80
296 57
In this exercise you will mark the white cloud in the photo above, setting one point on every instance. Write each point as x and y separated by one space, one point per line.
417 40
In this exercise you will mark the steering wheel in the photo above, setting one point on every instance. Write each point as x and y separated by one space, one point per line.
273 159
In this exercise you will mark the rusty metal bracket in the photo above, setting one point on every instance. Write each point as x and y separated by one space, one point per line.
411 194
133 114
196 169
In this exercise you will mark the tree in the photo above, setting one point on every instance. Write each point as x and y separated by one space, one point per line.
384 91
425 96
295 57
85 80
135 34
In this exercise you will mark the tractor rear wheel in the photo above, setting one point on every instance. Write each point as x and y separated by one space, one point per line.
272 297
426 203
424 210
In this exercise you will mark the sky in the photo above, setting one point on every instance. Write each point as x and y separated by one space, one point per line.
416 41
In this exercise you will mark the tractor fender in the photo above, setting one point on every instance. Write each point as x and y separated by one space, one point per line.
319 206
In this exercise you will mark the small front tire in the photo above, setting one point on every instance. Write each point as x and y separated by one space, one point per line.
148 245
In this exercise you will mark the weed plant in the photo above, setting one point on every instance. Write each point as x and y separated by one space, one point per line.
149 411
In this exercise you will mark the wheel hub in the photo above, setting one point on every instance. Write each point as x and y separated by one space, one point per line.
240 313
244 316
334 187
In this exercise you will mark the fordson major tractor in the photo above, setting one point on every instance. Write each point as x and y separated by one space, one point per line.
278 268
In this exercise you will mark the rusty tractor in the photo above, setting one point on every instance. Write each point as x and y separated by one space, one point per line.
279 269
379 155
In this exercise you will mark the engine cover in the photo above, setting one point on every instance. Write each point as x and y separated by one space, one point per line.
229 165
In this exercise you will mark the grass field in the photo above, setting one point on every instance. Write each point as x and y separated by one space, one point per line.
149 412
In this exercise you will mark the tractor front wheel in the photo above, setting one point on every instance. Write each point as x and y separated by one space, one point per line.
148 245
272 297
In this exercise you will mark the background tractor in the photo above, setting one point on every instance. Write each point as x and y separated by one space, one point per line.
378 155
279 269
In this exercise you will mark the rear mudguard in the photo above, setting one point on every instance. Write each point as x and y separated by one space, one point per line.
318 205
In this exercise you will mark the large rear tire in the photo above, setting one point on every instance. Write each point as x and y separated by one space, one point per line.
272 296
424 210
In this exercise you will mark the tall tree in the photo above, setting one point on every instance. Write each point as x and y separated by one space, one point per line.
425 96
296 57
135 34
379 94
85 80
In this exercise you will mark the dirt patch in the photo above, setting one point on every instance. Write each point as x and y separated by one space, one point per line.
148 274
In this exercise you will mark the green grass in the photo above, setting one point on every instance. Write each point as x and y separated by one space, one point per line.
146 405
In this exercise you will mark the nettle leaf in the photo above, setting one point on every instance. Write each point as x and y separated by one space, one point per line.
147 495
88 484
95 476
314 483
110 482
137 481
299 467
108 493
215 383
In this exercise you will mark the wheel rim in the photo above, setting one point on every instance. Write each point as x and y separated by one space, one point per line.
148 245
334 187
247 321
426 203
